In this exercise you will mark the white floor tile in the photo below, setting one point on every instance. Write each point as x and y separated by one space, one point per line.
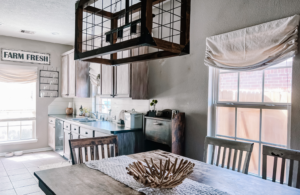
20 177
3 173
4 179
13 166
8 192
22 183
37 193
17 171
28 189
6 186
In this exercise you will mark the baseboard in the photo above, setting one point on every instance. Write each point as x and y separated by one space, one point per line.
33 150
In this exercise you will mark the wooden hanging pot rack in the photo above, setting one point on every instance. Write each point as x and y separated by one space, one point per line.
166 46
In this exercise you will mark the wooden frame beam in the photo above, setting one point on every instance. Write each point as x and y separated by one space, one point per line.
99 61
185 25
145 57
98 12
133 59
168 46
110 49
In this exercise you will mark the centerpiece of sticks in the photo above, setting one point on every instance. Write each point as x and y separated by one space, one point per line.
162 175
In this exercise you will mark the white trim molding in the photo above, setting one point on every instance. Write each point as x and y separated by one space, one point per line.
33 150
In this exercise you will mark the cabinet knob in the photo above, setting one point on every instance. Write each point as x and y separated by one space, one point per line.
75 129
67 126
86 133
157 124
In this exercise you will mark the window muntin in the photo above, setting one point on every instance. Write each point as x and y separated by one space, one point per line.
254 107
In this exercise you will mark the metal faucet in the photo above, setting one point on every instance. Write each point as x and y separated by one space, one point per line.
95 114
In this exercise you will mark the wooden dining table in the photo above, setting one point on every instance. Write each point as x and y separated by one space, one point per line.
79 179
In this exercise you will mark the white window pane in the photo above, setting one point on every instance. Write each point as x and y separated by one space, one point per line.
3 133
14 133
251 86
26 132
225 121
278 85
274 126
248 123
228 84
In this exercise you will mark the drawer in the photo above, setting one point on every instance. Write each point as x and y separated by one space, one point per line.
158 131
67 126
75 129
51 120
86 132
98 134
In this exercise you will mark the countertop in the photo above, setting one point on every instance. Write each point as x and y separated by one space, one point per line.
101 126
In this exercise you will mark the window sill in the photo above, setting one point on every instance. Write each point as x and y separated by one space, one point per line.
19 142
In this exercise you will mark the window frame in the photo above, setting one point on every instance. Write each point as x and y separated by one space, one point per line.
213 103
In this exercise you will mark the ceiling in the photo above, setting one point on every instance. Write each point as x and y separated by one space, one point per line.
44 17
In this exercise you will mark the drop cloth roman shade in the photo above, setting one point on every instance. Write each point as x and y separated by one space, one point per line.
255 47
17 74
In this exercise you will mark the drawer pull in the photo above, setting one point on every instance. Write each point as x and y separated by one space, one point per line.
67 126
86 133
157 123
75 129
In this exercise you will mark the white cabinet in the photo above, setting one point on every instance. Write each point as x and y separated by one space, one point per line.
75 81
68 76
67 151
51 135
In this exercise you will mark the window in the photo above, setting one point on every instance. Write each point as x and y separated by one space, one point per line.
17 111
103 105
254 107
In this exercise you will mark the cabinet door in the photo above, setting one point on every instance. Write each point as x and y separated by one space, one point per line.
51 135
82 79
64 76
71 74
106 81
67 137
122 81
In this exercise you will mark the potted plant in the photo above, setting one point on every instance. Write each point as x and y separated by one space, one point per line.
153 111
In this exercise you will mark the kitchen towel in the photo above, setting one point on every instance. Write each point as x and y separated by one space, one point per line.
116 168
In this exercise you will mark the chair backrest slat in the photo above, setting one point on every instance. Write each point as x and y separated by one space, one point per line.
212 155
274 169
284 154
103 151
229 158
282 170
298 177
240 161
236 145
218 155
96 153
224 156
291 173
234 159
88 149
108 151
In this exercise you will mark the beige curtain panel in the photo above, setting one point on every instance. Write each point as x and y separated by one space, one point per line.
12 74
255 47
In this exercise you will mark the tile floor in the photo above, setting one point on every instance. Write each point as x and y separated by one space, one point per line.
16 173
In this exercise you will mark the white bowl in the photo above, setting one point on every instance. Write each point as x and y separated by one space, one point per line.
18 153
9 154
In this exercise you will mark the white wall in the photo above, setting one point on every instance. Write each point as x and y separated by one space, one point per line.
42 104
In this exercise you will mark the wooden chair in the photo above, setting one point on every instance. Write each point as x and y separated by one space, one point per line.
97 146
235 145
284 154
